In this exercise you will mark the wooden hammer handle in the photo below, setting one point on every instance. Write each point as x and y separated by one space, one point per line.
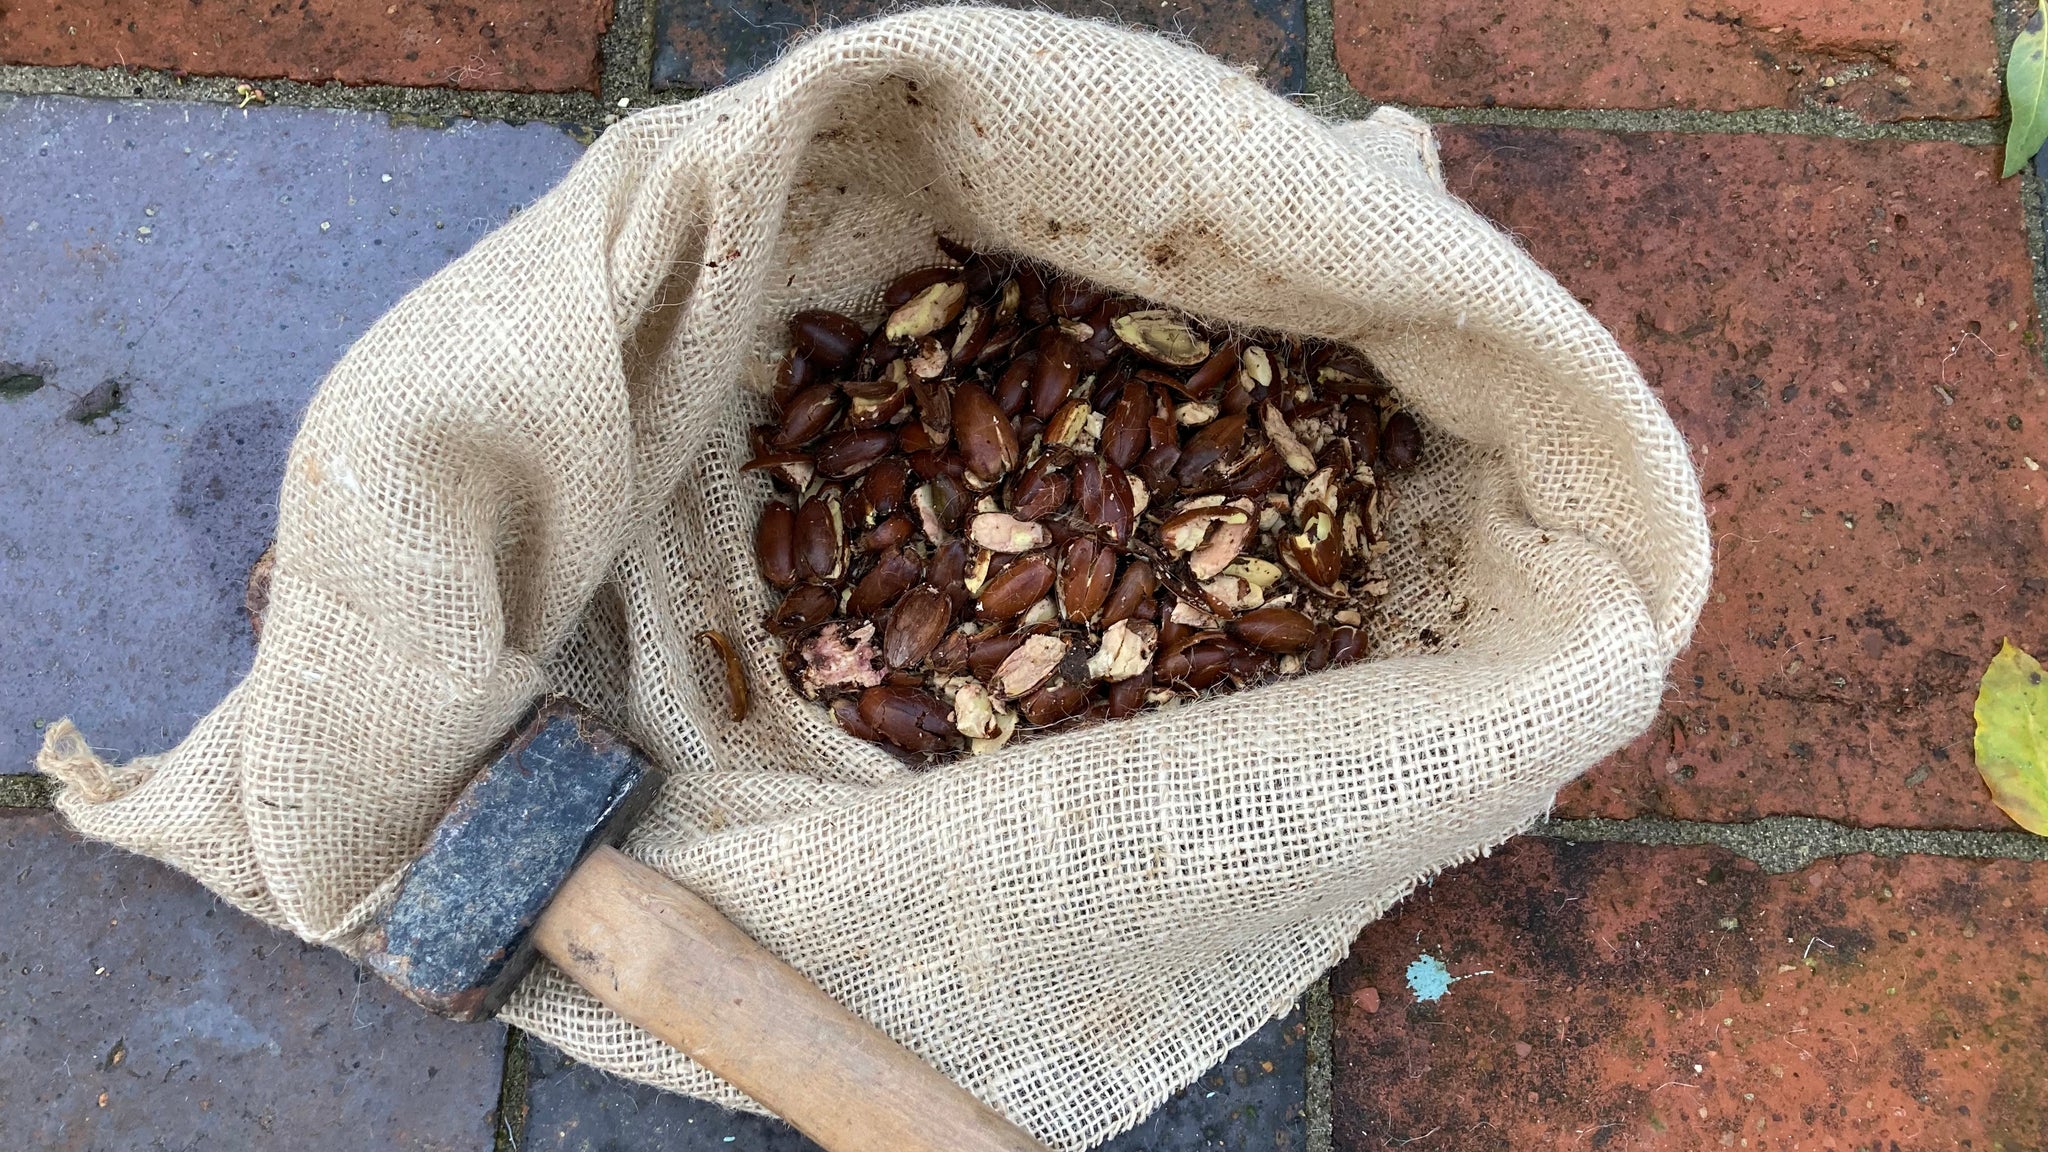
662 958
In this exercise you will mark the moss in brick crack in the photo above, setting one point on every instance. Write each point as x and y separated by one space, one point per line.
26 791
417 120
101 402
16 381
509 1125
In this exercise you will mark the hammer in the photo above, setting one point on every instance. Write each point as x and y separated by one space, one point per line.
525 864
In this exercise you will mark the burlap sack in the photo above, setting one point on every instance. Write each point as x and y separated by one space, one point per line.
523 478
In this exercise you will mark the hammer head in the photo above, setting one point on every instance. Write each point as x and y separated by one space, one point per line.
456 940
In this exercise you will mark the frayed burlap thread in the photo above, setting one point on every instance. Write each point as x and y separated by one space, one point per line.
524 478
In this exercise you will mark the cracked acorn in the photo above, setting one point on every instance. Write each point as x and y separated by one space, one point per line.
1022 501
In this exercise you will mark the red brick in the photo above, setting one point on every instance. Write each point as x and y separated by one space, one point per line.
506 45
1883 59
1800 303
1618 997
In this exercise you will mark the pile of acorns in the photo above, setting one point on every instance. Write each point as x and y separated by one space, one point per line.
1023 501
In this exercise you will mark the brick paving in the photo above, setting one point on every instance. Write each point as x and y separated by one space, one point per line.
507 45
1251 1102
1841 328
138 1012
1841 320
1883 60
1614 996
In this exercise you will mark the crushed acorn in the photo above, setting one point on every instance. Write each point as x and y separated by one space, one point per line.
1023 501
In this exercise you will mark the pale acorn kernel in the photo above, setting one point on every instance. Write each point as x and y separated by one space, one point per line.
1194 413
1254 368
1235 592
930 361
1031 665
1006 727
839 536
1224 544
1126 651
949 685
974 713
928 514
1315 530
1043 612
1320 489
1348 616
1160 335
1262 573
1290 665
1354 532
1002 532
1292 450
1185 538
1141 496
926 312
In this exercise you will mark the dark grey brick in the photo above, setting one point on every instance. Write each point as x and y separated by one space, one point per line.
576 1108
700 46
1251 1102
171 299
139 1013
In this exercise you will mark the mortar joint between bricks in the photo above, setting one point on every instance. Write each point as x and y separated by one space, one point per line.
1317 1121
27 790
1780 844
430 106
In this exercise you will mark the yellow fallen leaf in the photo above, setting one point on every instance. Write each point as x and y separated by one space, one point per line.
2012 736
2026 87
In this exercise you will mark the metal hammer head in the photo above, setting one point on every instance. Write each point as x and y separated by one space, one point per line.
456 938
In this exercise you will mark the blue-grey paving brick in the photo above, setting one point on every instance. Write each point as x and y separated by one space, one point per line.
138 1014
1251 1102
700 46
573 1107
213 264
